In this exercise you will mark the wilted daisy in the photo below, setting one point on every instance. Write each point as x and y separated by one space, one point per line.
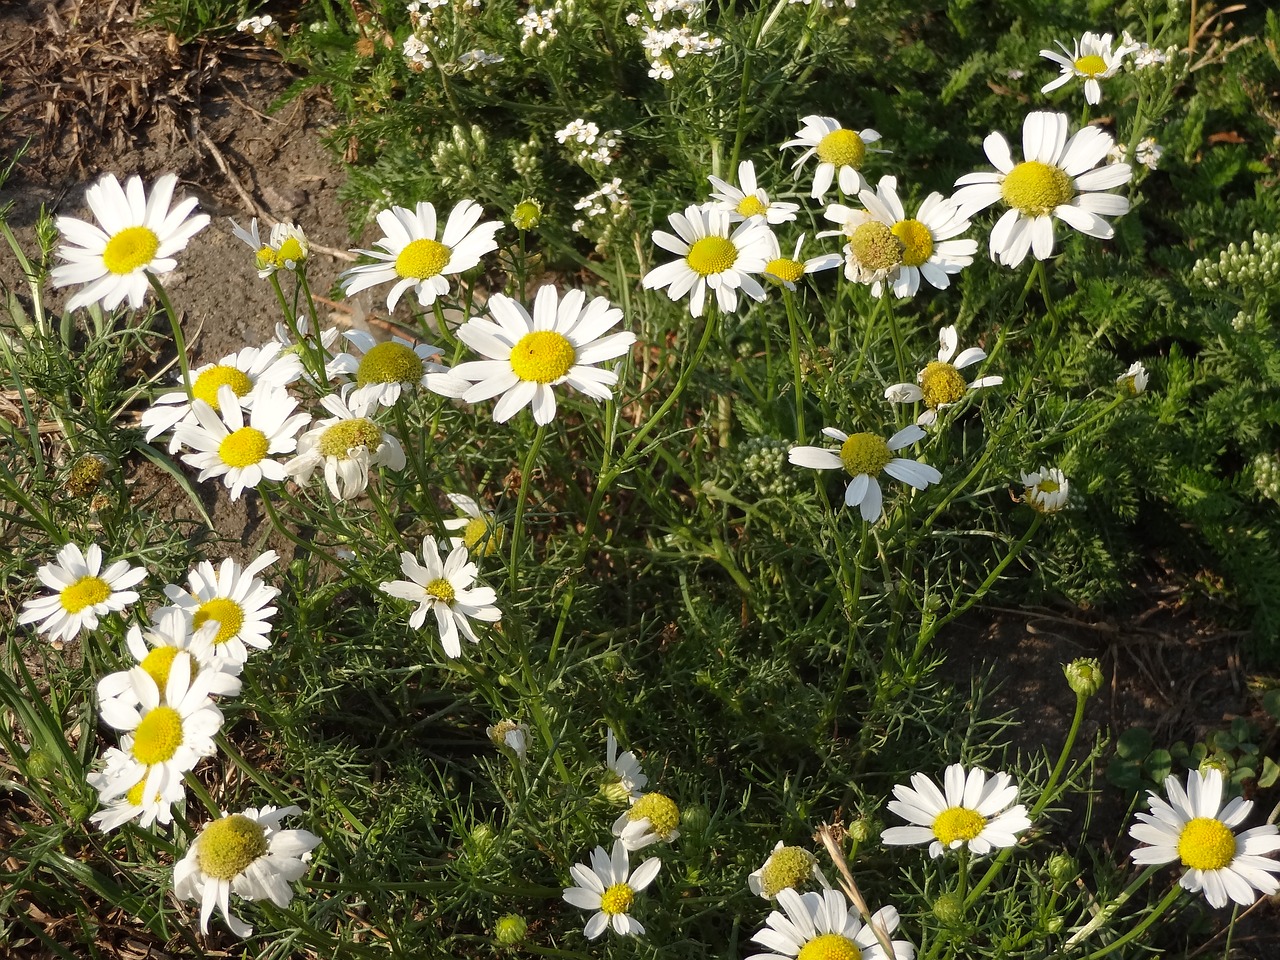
651 818
527 356
628 780
479 527
1059 177
82 592
1196 829
234 598
1134 380
247 854
382 371
446 588
157 648
826 926
510 736
1046 490
788 270
940 382
712 254
787 868
286 247
411 255
347 444
1092 59
865 456
970 811
135 235
840 153
609 887
750 200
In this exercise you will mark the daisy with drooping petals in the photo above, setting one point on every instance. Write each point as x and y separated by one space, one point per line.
411 255
787 868
172 637
1133 382
788 270
136 235
1196 829
511 737
1046 490
446 588
711 256
347 444
940 382
609 887
825 925
750 200
234 598
528 355
382 371
970 811
840 153
865 456
82 592
1059 178
1092 60
479 527
628 780
651 818
247 854
285 249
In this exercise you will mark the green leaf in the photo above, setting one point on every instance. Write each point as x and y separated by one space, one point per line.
1135 743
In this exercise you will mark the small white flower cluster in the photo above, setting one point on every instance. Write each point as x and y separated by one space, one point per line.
826 4
1148 153
538 27
474 59
255 25
1266 475
609 201
587 135
681 38
416 51
1145 55
1254 265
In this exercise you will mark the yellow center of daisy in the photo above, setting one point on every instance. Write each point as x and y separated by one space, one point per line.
784 269
542 356
752 206
617 899
244 447
829 946
389 362
85 592
157 664
345 435
212 380
661 812
131 248
158 736
264 258
1091 66
844 148
958 823
134 795
290 250
941 383
475 531
1047 485
710 255
442 590
875 246
1206 844
227 846
917 241
1036 188
788 867
865 453
423 258
228 613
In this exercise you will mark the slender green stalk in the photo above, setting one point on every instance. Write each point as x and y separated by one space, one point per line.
179 342
793 327
1169 899
522 497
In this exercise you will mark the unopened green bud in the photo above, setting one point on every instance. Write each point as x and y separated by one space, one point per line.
1062 868
527 214
695 818
1084 676
949 909
613 791
863 830
1217 762
1054 925
39 764
510 930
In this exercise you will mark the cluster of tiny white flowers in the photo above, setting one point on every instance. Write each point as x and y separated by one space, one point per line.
1148 153
474 59
588 135
1266 475
1250 264
255 25
609 201
1145 55
417 53
680 38
826 4
538 25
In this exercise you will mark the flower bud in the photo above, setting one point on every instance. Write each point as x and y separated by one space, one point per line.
1217 762
39 764
1084 676
510 930
1062 868
949 909
527 214
695 818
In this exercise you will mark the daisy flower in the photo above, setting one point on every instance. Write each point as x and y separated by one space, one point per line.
447 589
628 779
235 599
787 868
82 592
711 256
412 257
609 887
1196 829
840 153
135 235
652 818
865 456
479 527
247 854
1046 490
940 382
510 736
1133 381
172 638
347 444
970 811
750 200
382 371
135 803
788 270
527 356
225 446
1092 59
1059 178
285 249
812 925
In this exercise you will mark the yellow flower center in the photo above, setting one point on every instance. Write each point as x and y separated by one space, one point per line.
134 796
661 812
875 246
228 613
244 447
711 255
1206 844
1091 66
829 946
542 356
87 473
264 258
1037 188
865 453
1048 485
784 269
290 251
442 590
752 206
131 248
788 867
158 736
85 592
476 530
844 148
389 362
345 435
212 380
227 846
941 383
423 258
917 241
157 664
958 823
617 899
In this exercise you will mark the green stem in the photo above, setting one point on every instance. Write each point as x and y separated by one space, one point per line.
793 325
1141 928
526 471
179 342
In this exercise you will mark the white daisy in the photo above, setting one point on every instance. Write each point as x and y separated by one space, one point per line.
865 456
1196 829
559 344
232 597
940 382
247 854
82 592
711 256
788 270
1059 177
628 779
1133 381
328 336
826 925
134 803
225 446
750 200
786 868
347 444
1092 59
285 249
479 527
447 589
609 887
1046 490
510 736
973 812
411 255
172 638
651 818
137 235
382 371
840 153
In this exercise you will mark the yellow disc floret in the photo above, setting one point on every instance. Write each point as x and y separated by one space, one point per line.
157 664
131 248
477 529
1090 66
244 447
1037 188
1206 844
661 812
340 438
617 899
134 794
265 258
542 356
830 946
876 247
788 867
228 846
85 592
210 381
389 362
291 251
784 270
711 255
442 590
422 258
157 736
917 241
751 206
844 148
865 453
941 383
228 613
958 823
